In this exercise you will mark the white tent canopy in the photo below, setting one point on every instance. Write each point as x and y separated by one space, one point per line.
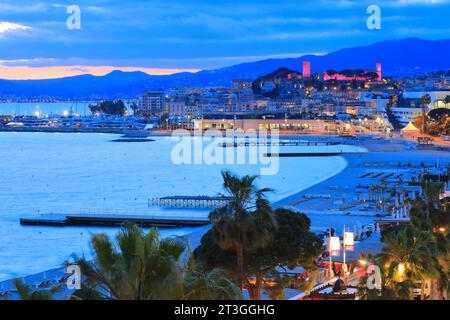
410 128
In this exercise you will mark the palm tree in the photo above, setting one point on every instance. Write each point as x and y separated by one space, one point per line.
247 223
26 293
442 284
409 255
390 290
141 266
425 100
446 100
210 286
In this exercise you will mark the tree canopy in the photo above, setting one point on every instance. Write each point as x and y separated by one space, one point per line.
439 114
293 245
109 107
142 266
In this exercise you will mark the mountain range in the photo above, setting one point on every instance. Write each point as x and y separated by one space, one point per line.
400 58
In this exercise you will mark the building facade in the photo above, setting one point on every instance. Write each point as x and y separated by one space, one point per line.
153 102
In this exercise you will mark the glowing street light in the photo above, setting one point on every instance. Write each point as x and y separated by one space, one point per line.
349 239
362 262
401 271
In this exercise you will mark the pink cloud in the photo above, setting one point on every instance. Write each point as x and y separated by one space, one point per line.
53 72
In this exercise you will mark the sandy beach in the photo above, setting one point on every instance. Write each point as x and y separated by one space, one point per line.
335 200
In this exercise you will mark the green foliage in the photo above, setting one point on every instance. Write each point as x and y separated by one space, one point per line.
139 266
210 286
26 293
439 114
109 107
410 255
135 108
415 250
389 290
425 99
247 223
447 99
429 212
292 245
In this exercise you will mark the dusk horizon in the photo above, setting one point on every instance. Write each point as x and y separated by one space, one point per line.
181 36
58 72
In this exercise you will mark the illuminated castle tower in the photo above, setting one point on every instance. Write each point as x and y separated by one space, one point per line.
306 69
378 71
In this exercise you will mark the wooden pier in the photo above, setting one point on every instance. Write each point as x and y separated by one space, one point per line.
205 202
168 221
279 143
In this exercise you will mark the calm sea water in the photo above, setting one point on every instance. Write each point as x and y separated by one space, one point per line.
60 173
52 108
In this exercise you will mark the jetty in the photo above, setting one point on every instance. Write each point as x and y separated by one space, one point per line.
269 142
148 220
206 202
307 154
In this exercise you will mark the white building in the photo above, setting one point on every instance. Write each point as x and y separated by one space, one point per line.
406 115
437 97
376 102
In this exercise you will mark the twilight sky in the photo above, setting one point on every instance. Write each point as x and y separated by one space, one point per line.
163 37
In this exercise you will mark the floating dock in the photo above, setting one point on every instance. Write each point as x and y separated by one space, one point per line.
60 220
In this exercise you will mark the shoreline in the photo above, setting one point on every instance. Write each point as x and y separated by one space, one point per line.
193 240
386 153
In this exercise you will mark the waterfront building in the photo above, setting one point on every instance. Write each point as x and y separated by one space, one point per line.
436 97
304 126
405 115
153 102
408 107
362 108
